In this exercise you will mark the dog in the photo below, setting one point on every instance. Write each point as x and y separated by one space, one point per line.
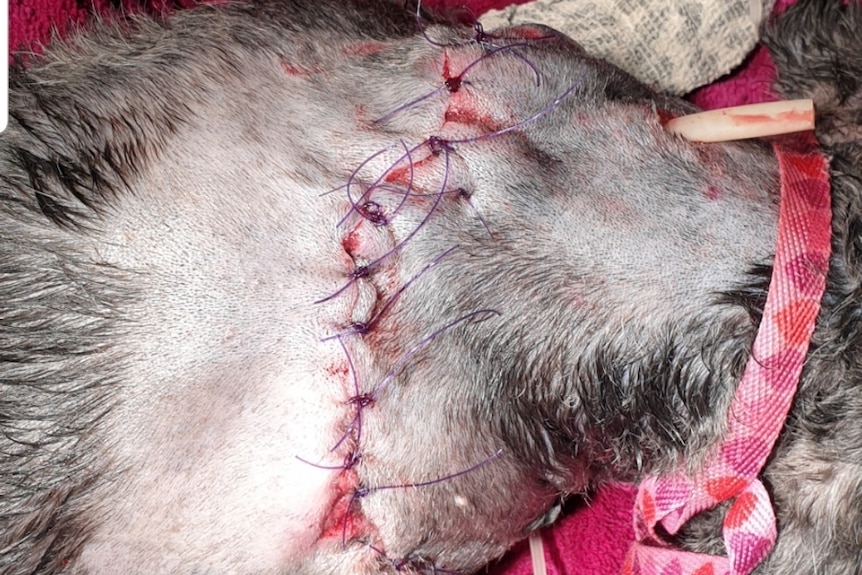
328 288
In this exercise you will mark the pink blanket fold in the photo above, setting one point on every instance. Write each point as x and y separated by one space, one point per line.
592 539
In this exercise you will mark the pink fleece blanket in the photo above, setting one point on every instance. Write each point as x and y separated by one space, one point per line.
591 539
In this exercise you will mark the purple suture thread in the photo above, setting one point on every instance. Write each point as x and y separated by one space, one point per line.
373 212
360 272
481 37
364 400
373 321
432 569
366 491
362 491
350 460
357 273
496 50
361 328
424 343
444 147
353 175
461 193
440 146
437 146
319 466
406 193
347 511
355 426
524 59
416 564
354 429
420 25
454 83
434 142
466 195
359 401
543 112
410 104
377 183
484 38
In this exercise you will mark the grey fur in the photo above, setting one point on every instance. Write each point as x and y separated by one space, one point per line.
164 208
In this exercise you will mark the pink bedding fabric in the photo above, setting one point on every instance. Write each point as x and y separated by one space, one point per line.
593 538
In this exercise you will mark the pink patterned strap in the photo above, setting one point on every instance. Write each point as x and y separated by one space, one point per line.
762 399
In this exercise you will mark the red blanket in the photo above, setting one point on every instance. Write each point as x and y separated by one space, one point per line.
592 538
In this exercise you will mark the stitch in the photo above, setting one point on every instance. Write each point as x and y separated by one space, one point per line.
353 176
373 212
359 272
354 427
453 84
362 328
440 147
437 145
362 491
362 400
